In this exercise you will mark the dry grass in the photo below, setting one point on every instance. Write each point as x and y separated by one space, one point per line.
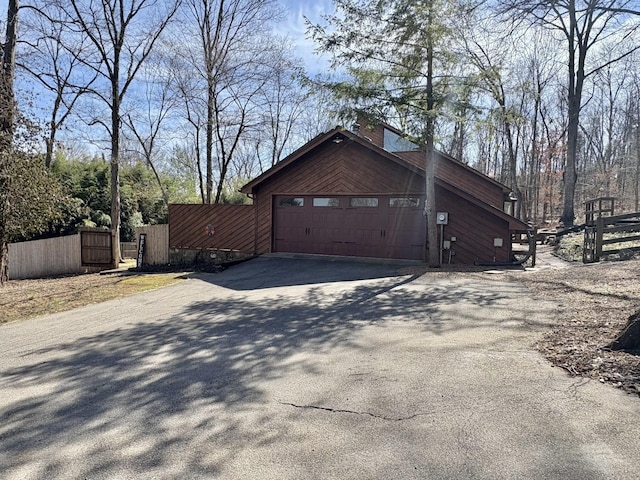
22 299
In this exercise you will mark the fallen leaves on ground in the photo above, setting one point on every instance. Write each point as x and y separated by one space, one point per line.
22 299
594 304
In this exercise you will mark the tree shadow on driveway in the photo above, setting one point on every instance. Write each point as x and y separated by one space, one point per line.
176 396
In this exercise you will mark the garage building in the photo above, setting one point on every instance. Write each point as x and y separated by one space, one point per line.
361 193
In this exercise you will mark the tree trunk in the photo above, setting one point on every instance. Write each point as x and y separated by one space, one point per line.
4 213
430 167
223 174
115 169
574 100
7 107
51 139
570 172
430 205
629 338
209 142
4 260
7 113
636 176
513 162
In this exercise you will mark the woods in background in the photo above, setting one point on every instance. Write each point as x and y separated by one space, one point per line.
543 96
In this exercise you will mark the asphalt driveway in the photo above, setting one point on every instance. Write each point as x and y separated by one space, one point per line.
306 369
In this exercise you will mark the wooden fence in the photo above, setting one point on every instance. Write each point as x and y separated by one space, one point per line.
128 249
96 248
42 258
157 244
84 252
595 243
221 227
598 207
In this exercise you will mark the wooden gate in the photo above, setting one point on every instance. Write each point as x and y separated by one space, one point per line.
96 248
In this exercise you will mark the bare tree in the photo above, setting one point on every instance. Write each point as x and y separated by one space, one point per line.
146 123
490 70
632 140
229 60
283 101
122 34
584 24
193 112
602 131
55 63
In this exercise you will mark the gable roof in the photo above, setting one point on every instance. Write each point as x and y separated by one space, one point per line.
413 161
417 156
336 133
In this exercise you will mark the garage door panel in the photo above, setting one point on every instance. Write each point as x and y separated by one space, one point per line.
326 234
410 253
406 237
328 248
334 226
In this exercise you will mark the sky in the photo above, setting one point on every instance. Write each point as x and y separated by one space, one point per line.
294 26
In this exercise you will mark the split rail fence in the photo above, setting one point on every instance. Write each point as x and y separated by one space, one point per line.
595 243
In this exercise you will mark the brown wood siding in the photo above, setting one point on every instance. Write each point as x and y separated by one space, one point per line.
461 177
375 134
212 227
450 170
470 182
342 168
474 228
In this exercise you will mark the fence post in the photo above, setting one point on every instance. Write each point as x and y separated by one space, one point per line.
599 235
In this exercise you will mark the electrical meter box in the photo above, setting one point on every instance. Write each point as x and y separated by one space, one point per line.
442 218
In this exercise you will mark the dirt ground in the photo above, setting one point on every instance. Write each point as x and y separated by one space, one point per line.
595 302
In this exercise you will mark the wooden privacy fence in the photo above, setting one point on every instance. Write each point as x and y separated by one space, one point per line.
96 248
216 227
595 243
86 251
156 251
129 249
41 258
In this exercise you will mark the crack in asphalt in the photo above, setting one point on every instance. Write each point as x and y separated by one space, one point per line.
354 412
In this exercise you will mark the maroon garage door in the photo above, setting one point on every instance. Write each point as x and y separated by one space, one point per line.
367 226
